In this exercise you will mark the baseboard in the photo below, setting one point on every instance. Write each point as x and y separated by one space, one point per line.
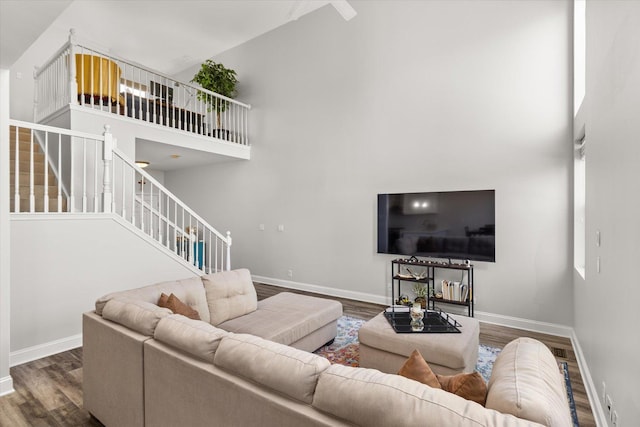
6 385
316 289
525 324
43 350
592 391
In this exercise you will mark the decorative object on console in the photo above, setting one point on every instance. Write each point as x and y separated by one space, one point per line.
420 289
417 314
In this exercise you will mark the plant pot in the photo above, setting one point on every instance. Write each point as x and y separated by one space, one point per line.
422 301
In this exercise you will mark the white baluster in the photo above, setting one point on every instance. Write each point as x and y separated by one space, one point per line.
32 197
133 196
84 175
73 84
167 222
107 156
96 197
16 177
36 84
46 172
123 188
60 173
175 225
228 250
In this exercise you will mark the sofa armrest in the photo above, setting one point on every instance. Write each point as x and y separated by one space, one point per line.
526 382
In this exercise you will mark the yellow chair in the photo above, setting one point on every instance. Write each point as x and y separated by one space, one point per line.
97 77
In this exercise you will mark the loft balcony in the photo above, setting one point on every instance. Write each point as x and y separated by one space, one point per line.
159 119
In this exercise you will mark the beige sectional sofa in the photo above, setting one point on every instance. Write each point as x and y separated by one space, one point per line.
144 366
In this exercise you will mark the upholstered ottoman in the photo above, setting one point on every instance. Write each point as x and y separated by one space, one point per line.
447 354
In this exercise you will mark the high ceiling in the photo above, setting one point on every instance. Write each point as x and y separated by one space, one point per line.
169 36
22 22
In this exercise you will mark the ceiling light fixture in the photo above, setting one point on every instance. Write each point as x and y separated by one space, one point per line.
142 164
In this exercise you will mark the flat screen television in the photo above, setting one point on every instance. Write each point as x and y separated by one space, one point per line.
456 225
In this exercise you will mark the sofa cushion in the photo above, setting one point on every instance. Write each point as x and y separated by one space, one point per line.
527 383
229 294
137 315
368 397
282 368
190 291
286 317
173 303
195 337
415 368
468 386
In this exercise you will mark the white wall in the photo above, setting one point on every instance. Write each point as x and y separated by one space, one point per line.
94 255
6 383
406 97
606 303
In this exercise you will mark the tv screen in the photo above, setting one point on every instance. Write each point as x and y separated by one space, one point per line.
452 224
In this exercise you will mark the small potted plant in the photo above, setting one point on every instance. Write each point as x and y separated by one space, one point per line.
219 79
420 289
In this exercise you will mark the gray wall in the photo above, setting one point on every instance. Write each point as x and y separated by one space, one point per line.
606 303
406 97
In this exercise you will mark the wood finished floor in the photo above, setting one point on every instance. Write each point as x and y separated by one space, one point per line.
49 390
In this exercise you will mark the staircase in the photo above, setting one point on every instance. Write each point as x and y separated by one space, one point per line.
26 147
72 174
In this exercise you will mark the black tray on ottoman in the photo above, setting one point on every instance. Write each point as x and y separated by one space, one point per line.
435 321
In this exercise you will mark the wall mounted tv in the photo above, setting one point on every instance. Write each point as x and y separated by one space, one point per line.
456 225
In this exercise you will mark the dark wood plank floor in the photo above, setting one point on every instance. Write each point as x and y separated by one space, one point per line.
49 390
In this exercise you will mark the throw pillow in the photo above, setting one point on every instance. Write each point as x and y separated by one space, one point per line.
178 307
162 302
416 368
469 386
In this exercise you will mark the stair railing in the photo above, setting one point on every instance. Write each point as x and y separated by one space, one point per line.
102 179
81 75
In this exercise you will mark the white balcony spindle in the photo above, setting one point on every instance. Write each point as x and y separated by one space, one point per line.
16 176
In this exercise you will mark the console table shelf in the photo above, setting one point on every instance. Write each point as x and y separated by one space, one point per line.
429 280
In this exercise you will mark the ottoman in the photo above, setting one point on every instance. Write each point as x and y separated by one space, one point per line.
447 354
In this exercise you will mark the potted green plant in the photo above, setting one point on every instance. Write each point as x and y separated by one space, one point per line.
420 289
219 79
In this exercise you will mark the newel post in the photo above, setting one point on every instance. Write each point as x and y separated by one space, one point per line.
107 156
73 85
228 250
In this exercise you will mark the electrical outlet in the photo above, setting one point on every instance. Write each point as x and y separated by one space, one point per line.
290 273
281 227
261 227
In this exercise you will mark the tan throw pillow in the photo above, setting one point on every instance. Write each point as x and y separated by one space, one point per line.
469 386
178 307
162 302
416 368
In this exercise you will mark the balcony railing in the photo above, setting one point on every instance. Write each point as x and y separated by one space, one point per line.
78 74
